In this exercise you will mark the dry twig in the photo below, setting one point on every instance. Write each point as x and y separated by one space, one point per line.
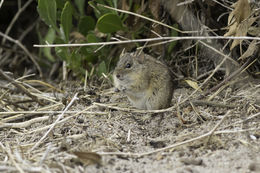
214 104
149 40
178 144
218 124
66 119
53 125
25 123
1 3
235 73
11 157
20 10
24 49
20 87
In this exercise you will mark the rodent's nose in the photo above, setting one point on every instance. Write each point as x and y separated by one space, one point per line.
118 75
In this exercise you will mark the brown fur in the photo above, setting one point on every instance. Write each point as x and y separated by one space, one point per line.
147 83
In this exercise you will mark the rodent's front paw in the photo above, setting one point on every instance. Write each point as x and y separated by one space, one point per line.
116 90
120 89
123 89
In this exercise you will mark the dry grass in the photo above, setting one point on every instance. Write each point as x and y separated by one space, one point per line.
44 128
68 134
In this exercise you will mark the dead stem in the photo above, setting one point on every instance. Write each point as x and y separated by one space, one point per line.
217 125
1 3
44 84
134 110
66 119
20 87
25 50
213 103
196 112
53 125
15 18
149 40
235 73
129 154
146 18
7 149
25 123
242 121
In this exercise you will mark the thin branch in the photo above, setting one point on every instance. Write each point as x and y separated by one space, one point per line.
210 76
15 18
212 103
28 30
231 9
242 121
219 52
24 124
49 112
134 110
146 18
24 49
187 2
218 124
231 76
16 116
66 119
20 87
44 156
44 84
1 3
148 40
53 125
11 157
178 144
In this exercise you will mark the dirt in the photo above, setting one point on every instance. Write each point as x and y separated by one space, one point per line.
108 139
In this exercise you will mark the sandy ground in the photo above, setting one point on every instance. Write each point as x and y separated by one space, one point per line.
108 139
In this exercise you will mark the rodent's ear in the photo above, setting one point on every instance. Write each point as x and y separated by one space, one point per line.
140 57
122 53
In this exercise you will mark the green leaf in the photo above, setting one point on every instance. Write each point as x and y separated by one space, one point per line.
61 52
80 4
49 38
75 63
60 3
109 23
47 11
75 60
86 24
101 68
91 38
99 10
88 54
66 20
94 6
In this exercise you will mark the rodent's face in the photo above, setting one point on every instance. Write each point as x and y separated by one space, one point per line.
128 72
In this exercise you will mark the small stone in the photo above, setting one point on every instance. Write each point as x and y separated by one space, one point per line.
191 161
254 167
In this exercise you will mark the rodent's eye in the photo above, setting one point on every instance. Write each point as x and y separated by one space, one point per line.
128 65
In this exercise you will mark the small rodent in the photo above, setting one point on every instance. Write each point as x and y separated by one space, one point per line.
146 81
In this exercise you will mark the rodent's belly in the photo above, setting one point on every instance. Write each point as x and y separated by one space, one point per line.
138 100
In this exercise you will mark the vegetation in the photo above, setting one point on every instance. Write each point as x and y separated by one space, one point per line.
70 23
51 125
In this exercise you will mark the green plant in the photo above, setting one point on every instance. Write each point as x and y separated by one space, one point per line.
67 20
84 21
